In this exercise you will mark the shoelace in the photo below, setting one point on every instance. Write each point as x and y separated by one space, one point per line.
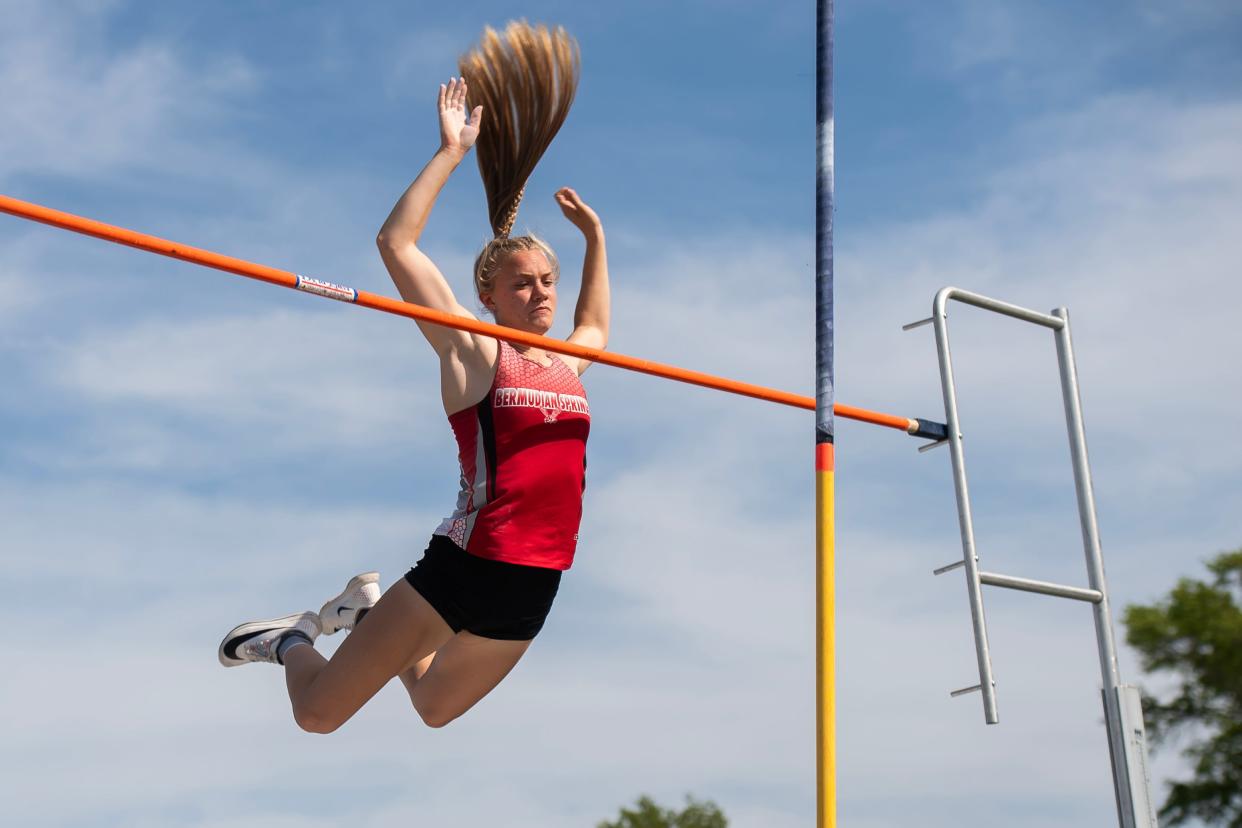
262 648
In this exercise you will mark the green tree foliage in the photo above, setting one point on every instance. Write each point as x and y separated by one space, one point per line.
647 814
1195 634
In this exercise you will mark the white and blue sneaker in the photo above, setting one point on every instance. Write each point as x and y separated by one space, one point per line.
259 640
341 613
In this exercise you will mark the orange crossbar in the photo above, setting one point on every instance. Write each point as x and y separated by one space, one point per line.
206 258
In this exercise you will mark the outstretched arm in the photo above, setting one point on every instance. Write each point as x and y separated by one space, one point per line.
592 314
417 278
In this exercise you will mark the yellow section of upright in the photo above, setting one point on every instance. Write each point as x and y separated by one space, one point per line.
825 641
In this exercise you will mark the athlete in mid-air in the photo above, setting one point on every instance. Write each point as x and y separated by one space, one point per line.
460 620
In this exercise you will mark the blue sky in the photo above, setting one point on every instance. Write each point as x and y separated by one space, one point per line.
187 449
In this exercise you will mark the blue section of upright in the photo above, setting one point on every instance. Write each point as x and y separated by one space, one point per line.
824 427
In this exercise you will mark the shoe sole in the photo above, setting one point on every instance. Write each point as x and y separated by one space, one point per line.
328 618
242 630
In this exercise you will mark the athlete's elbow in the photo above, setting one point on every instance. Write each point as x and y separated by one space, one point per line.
389 241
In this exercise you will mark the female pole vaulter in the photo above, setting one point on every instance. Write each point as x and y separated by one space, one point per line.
460 620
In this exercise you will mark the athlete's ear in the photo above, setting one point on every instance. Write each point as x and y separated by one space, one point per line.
486 299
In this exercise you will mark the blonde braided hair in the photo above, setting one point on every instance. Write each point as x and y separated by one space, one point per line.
525 79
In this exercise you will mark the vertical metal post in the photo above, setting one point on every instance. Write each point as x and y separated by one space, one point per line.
1131 705
825 634
1095 571
987 684
1123 715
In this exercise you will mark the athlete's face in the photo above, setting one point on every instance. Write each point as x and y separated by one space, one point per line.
524 293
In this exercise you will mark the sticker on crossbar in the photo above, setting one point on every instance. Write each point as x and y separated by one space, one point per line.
328 289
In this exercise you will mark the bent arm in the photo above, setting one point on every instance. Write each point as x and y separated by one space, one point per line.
591 316
417 278
593 312
414 274
408 218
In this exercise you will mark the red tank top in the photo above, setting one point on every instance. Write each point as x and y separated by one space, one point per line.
523 465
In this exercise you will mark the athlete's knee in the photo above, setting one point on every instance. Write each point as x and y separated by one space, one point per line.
315 717
435 715
314 722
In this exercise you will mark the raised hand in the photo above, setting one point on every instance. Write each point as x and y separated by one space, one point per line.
456 133
576 210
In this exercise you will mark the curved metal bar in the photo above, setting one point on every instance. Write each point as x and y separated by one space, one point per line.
987 684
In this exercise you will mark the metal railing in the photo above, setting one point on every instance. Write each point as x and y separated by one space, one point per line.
1123 715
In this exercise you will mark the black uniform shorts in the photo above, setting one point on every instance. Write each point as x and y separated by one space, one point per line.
493 599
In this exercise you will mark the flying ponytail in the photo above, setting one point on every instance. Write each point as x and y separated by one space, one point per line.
525 78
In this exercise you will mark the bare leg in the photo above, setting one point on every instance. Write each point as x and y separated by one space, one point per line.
410 676
302 664
400 629
449 682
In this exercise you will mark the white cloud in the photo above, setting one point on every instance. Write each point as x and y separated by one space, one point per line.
281 377
17 292
427 52
688 618
679 657
1111 215
1191 15
1123 211
61 83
